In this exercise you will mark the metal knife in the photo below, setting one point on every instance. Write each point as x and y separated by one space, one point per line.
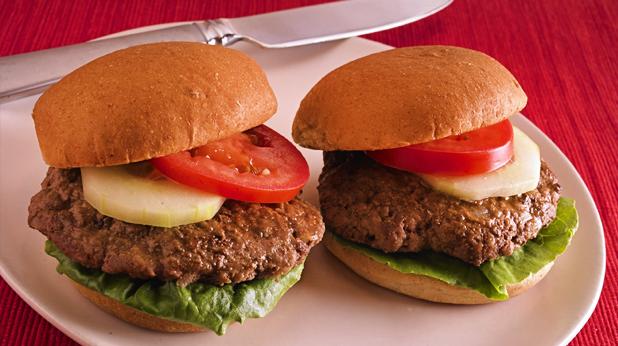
30 73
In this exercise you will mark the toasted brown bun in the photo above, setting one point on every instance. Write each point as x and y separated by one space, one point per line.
134 316
419 286
406 96
150 100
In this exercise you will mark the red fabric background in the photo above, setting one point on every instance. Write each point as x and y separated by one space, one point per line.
562 51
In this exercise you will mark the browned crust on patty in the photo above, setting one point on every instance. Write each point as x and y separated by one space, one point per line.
244 241
394 211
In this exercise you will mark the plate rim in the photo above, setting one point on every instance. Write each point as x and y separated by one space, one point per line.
17 288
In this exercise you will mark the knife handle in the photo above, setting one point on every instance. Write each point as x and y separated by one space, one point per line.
30 73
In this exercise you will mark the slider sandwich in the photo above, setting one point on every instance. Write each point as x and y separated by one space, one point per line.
427 188
168 203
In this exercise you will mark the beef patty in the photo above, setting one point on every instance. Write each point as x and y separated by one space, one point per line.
242 242
394 211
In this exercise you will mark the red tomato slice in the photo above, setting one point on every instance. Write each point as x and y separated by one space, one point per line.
258 165
475 152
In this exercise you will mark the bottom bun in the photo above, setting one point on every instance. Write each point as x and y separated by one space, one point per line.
134 316
419 286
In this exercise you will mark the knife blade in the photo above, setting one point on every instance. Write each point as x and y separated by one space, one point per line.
30 73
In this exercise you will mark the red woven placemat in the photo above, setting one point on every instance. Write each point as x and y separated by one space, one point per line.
562 51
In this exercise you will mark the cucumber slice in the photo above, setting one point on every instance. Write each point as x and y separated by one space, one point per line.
520 175
136 193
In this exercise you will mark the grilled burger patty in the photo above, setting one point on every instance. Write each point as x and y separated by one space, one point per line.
394 211
242 242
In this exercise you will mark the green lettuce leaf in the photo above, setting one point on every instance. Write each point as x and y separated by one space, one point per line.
492 277
213 307
551 241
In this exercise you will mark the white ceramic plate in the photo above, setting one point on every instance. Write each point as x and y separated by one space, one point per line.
331 305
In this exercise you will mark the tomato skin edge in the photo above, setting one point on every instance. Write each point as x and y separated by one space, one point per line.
213 177
446 160
230 191
449 163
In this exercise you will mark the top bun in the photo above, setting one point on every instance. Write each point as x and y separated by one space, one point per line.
148 101
406 96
